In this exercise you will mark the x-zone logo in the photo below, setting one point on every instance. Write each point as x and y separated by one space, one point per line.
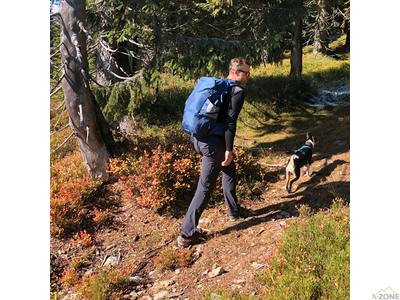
385 294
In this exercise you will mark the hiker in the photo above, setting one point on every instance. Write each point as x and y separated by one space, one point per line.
216 152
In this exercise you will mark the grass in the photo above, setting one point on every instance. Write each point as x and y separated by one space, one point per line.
312 260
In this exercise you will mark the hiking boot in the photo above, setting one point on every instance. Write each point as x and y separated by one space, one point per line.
187 241
240 214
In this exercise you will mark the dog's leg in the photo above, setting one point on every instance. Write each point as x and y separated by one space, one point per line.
308 170
296 177
287 180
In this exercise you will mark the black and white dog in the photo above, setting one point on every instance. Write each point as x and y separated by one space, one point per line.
301 157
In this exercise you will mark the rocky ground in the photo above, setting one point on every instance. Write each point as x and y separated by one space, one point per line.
231 252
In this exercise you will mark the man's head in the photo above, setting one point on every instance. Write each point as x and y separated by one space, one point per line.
239 70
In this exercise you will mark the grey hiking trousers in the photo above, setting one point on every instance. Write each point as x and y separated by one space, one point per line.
212 150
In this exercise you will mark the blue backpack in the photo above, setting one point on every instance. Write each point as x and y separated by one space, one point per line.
202 107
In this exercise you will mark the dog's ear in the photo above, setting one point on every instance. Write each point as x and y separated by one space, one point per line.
308 135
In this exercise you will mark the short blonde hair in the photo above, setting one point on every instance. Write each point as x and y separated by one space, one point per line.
237 62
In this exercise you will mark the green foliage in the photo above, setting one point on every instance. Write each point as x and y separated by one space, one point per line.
104 283
172 258
313 257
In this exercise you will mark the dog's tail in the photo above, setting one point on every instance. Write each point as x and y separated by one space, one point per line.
292 158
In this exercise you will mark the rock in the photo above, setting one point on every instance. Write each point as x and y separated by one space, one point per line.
173 295
167 283
136 278
112 260
216 272
133 295
236 287
71 297
160 295
239 281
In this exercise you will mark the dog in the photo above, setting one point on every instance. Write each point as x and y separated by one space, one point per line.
301 157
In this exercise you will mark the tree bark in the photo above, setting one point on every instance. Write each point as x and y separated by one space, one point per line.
321 38
296 57
85 118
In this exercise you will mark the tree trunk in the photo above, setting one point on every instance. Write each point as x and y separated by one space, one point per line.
85 118
296 57
321 38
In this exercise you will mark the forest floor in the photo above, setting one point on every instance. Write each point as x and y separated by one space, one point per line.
138 235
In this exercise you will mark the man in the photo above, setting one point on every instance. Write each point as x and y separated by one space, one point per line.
216 152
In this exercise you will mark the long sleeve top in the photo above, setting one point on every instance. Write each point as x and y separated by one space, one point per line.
229 113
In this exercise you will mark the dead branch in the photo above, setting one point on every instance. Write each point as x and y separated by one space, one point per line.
273 165
56 47
55 109
80 24
58 52
57 14
64 142
57 83
54 99
65 127
56 91
61 68
80 115
59 118
87 134
92 79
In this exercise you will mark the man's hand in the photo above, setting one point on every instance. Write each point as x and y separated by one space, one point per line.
228 158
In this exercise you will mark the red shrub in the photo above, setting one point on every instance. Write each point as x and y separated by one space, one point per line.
70 184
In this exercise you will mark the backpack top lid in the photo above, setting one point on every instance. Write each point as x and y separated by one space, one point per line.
202 106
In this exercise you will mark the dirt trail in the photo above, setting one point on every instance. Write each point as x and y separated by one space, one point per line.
240 248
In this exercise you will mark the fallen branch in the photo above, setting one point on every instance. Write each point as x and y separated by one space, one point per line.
272 165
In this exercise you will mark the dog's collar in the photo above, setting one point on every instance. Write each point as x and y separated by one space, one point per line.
310 143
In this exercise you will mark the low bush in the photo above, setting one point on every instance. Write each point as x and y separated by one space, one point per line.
171 258
166 177
70 185
105 283
160 178
312 260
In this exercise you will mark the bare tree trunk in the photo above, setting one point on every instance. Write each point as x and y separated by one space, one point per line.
321 38
296 57
85 118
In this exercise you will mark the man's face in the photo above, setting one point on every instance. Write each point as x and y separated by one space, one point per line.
241 74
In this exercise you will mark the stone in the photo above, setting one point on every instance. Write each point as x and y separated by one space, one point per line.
217 272
160 295
134 295
239 281
167 283
112 260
